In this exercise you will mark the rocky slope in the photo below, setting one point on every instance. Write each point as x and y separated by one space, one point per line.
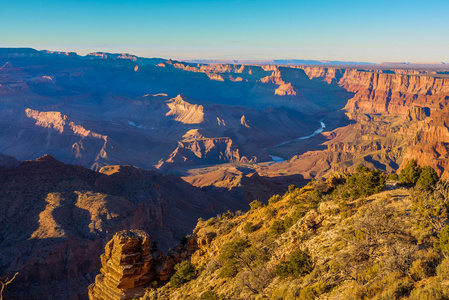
320 242
57 219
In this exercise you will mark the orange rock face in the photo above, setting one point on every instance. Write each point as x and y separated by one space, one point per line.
127 266
396 117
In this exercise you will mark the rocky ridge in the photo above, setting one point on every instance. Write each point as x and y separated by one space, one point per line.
333 241
129 267
66 214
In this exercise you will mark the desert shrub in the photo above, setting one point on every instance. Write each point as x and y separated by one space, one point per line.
185 272
420 270
398 290
277 227
270 212
292 188
231 256
393 176
288 222
227 215
442 243
313 291
210 295
255 205
364 182
443 269
239 256
410 173
300 263
256 279
211 221
434 291
431 207
273 199
378 235
427 179
233 249
249 227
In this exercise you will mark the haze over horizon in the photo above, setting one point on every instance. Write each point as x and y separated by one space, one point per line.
380 31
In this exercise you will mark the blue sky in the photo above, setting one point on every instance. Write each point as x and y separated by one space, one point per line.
375 31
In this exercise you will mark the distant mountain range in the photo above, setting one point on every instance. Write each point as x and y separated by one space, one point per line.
280 62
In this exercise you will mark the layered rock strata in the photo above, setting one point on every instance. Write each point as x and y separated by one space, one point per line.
126 266
129 267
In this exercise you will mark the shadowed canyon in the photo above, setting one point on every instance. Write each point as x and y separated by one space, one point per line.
93 145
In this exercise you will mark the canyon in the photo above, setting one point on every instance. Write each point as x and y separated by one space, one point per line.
93 145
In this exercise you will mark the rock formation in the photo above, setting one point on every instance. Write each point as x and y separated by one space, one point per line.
285 88
127 267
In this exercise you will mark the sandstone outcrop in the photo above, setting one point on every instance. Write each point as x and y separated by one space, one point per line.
201 152
127 267
285 88
184 112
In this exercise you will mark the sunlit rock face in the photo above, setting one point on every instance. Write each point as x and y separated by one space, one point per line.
126 267
397 115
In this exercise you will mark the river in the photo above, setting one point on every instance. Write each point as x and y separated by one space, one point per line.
318 131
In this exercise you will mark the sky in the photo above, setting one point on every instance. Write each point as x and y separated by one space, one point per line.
345 30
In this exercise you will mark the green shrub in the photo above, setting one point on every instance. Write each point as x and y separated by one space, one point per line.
288 222
211 221
410 173
273 199
427 179
433 291
393 176
442 243
420 270
249 227
185 272
227 215
399 290
292 188
299 264
277 227
255 205
364 182
313 291
443 269
231 257
210 295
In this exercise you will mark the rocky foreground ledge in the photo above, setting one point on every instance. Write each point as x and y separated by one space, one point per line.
128 266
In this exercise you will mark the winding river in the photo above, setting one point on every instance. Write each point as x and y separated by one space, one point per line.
318 131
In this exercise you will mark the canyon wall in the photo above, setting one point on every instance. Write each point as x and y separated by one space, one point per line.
397 117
